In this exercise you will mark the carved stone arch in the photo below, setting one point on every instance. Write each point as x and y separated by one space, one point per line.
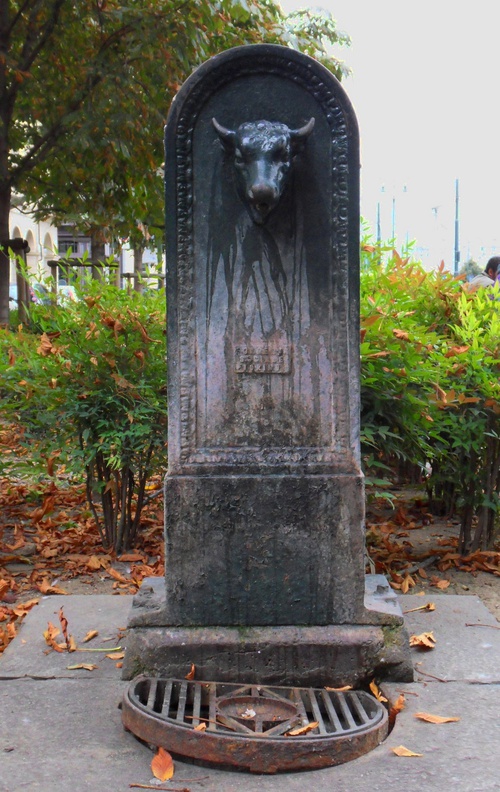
32 257
49 246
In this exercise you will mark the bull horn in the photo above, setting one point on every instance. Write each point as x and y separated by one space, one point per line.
303 132
226 135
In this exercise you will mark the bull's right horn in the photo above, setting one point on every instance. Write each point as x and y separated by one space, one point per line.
226 135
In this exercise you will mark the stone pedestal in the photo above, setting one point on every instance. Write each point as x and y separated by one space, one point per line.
264 500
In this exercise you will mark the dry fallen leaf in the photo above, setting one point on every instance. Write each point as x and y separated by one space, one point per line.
426 716
396 708
402 751
191 674
46 588
91 634
442 584
162 765
302 729
85 666
429 606
376 691
116 655
200 727
50 637
340 689
425 640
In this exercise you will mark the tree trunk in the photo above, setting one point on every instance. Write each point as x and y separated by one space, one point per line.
4 255
97 255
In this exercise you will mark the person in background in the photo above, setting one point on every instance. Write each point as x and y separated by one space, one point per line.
486 278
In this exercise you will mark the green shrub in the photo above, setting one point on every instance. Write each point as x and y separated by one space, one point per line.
86 379
430 388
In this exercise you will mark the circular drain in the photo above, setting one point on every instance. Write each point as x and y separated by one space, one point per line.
254 727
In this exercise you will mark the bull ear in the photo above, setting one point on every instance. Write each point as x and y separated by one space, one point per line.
298 137
227 136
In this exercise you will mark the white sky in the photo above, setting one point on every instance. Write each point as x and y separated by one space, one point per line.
426 90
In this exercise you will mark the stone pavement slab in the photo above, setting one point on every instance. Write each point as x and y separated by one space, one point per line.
64 733
463 652
28 655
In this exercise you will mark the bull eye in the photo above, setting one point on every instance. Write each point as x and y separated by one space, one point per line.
282 154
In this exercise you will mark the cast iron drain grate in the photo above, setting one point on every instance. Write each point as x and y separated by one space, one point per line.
254 727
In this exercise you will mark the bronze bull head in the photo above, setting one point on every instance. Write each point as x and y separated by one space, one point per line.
263 152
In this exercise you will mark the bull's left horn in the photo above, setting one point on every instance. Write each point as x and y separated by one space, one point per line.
303 132
226 135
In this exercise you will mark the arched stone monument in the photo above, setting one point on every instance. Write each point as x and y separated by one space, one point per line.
264 496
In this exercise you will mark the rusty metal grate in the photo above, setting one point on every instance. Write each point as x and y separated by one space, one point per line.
256 727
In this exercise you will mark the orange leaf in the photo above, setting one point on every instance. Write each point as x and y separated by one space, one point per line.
200 727
302 729
91 634
442 584
396 708
402 751
95 562
191 673
340 689
117 576
46 588
50 637
401 334
425 640
162 765
426 716
376 691
116 655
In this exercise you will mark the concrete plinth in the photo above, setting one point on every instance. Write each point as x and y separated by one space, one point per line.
331 655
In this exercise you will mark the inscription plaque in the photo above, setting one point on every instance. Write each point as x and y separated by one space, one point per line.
262 360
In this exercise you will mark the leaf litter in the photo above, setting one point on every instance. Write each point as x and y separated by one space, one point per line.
49 544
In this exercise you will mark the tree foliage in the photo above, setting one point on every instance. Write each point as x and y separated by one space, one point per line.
84 93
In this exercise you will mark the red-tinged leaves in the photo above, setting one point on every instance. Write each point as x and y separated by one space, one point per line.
191 673
401 334
457 350
64 624
162 765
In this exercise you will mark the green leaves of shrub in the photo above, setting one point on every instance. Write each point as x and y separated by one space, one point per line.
88 379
